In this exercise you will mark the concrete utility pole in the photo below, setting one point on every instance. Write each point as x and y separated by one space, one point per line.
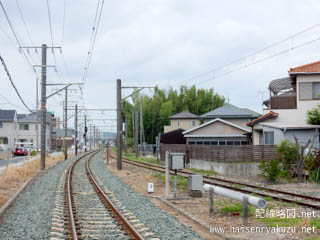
90 137
43 107
119 120
141 129
126 134
65 125
85 133
76 130
37 114
94 136
119 126
136 132
43 104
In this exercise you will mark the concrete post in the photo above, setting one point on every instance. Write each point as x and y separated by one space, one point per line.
211 202
245 213
167 185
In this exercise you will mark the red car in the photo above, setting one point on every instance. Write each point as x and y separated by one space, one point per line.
20 151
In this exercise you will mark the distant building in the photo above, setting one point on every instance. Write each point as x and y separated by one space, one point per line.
184 120
8 128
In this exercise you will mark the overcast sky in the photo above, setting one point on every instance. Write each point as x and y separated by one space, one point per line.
158 42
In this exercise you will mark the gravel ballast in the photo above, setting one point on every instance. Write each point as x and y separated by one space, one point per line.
30 215
162 224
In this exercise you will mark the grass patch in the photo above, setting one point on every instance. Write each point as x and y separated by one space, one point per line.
313 238
132 156
237 207
182 182
287 204
268 199
204 172
316 223
12 178
281 222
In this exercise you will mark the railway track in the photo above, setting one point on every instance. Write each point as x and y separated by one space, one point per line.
285 196
85 210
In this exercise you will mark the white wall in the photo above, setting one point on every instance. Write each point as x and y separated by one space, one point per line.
297 116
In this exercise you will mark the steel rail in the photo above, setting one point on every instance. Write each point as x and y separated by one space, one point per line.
210 180
133 232
72 224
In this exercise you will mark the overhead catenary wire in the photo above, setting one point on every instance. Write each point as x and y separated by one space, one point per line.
261 60
24 22
17 38
248 56
93 39
13 85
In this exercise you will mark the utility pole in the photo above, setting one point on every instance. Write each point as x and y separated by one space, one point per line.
136 132
76 130
85 133
43 104
37 114
94 136
119 120
43 107
141 129
119 126
90 137
65 125
126 134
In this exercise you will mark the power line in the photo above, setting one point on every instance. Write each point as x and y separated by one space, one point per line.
93 39
52 42
13 85
16 36
249 55
261 60
24 22
63 21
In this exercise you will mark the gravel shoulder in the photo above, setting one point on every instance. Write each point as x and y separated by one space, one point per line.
162 224
30 215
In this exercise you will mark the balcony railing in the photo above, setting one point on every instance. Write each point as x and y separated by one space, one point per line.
283 102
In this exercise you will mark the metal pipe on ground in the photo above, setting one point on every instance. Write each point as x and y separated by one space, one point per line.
252 200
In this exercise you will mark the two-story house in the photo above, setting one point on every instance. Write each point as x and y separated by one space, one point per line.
183 120
8 128
30 128
286 112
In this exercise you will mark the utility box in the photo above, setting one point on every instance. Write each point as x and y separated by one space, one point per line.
195 182
177 161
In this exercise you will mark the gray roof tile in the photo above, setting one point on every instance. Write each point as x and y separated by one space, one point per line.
184 115
7 115
230 111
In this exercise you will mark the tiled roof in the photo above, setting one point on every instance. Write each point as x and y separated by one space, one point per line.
230 111
184 115
7 115
262 118
31 118
311 67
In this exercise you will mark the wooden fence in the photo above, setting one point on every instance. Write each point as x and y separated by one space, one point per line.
247 153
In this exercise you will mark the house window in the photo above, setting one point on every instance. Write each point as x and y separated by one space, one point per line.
244 143
236 142
206 143
199 142
193 123
229 143
309 90
178 123
4 140
24 126
214 143
222 143
269 138
1 125
191 142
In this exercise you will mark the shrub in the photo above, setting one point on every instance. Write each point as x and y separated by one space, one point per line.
271 170
33 153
